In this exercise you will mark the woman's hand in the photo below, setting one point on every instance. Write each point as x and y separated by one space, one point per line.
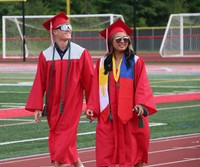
37 116
138 109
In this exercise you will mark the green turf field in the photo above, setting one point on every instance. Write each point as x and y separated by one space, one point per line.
23 137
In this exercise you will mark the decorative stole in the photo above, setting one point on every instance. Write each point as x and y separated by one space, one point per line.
115 71
125 102
103 91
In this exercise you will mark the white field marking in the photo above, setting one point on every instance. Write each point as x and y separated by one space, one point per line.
151 124
9 106
21 160
174 80
179 93
29 121
90 132
179 107
175 93
196 142
167 69
17 84
45 138
175 149
42 156
23 141
17 77
196 75
35 158
173 162
154 140
193 159
12 92
85 162
24 122
168 86
12 104
87 121
39 139
21 120
172 138
15 124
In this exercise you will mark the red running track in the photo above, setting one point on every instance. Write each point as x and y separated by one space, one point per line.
181 151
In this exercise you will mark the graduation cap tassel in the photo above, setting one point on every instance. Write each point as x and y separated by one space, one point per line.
107 41
44 113
61 106
110 116
140 123
51 31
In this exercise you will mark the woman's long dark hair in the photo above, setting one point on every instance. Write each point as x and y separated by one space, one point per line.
108 61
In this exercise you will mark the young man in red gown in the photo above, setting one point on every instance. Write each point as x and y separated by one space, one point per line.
64 71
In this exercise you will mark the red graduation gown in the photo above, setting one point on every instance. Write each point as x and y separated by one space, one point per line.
117 142
63 128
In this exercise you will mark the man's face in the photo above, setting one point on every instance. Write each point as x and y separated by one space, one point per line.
63 32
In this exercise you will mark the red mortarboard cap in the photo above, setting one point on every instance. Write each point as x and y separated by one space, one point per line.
58 19
118 26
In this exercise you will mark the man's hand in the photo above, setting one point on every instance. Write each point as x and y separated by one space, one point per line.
90 115
37 116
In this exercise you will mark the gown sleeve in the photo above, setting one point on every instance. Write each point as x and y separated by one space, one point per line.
93 101
87 73
35 99
143 91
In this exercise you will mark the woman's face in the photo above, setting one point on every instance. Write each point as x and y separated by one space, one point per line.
120 41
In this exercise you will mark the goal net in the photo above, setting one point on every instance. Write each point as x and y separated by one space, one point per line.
85 33
182 36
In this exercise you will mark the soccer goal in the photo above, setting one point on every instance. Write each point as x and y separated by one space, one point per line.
85 33
182 36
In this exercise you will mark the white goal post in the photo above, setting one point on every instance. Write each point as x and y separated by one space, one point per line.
182 36
85 32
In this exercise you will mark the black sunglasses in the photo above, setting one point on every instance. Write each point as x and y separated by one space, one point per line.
119 39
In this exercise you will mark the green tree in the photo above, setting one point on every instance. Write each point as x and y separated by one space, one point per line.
35 7
193 6
178 6
148 12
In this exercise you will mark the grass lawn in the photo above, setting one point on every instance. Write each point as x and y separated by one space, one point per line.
22 136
